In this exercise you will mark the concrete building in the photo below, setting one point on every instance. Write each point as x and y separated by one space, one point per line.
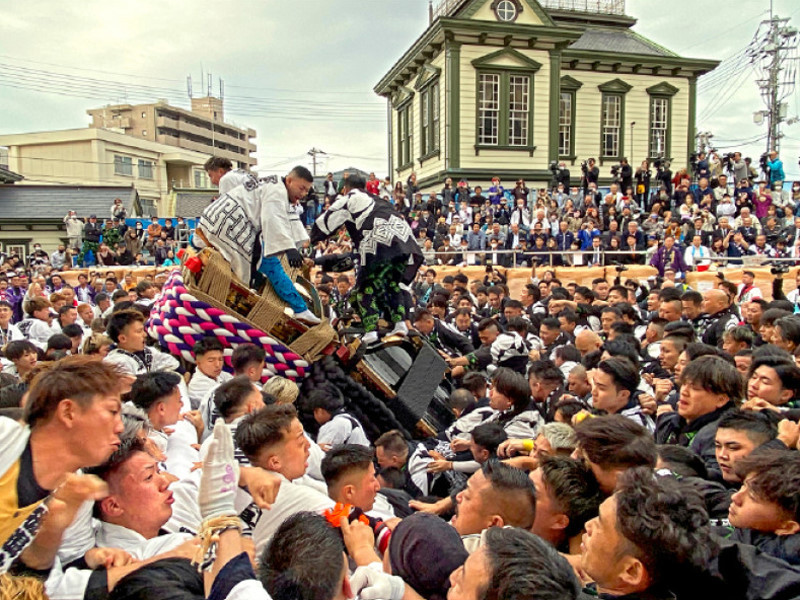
201 129
101 157
505 87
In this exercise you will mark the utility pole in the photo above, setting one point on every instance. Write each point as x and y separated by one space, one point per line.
313 154
774 56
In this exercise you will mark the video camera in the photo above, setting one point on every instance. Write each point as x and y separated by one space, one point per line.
615 169
619 267
764 164
694 158
554 167
585 166
780 269
727 161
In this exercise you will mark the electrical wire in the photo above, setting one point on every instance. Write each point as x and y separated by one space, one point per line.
50 77
302 110
180 81
724 94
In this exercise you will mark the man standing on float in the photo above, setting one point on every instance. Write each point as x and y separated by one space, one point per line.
387 251
251 225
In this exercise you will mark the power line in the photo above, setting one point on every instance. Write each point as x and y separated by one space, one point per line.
51 77
301 110
178 81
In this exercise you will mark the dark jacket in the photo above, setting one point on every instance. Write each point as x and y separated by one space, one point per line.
92 232
785 547
716 325
448 341
698 436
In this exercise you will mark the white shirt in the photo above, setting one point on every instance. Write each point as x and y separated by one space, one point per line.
159 361
39 332
116 536
292 498
9 334
232 179
342 429
201 386
754 292
694 256
234 220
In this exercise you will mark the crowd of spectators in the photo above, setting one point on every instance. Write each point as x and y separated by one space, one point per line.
723 211
627 439
117 241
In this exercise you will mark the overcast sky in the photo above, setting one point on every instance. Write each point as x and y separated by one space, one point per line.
301 72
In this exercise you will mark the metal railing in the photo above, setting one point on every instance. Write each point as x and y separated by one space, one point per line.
606 7
609 258
518 256
445 8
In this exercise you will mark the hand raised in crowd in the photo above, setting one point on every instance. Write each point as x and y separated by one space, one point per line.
789 433
107 558
359 541
262 485
755 403
648 404
511 448
460 445
662 388
196 419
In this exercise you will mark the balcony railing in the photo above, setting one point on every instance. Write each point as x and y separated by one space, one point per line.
605 7
445 8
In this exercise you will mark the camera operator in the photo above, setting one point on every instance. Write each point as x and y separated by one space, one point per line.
643 175
775 166
715 166
739 168
663 174
560 175
625 175
701 168
591 174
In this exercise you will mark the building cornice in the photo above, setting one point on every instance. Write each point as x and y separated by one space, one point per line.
485 33
636 64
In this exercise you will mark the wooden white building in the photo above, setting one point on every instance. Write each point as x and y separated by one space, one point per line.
504 87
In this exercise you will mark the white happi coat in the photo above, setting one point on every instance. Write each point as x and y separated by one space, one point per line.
233 222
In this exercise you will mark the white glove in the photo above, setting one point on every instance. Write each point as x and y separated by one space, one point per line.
220 476
370 583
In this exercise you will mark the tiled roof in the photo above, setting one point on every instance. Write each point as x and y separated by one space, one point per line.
190 204
52 202
621 41
7 176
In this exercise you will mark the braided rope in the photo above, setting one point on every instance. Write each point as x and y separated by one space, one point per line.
179 320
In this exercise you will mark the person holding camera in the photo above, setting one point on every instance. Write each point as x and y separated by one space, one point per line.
663 174
591 174
701 167
625 174
775 169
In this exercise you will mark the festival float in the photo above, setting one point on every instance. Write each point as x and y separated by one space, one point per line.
396 384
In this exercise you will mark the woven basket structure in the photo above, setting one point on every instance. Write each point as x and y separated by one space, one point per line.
191 308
